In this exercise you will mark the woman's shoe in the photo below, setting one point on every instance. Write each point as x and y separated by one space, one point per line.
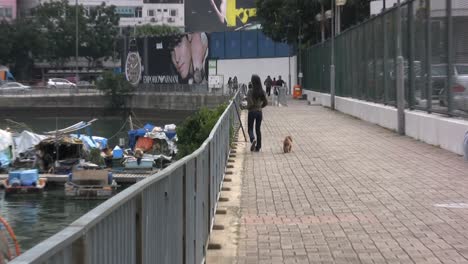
257 150
254 143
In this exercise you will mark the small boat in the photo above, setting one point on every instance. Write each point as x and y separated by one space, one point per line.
90 184
23 182
14 188
132 163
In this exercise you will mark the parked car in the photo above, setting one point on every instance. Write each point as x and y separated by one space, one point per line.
85 85
459 87
14 87
60 83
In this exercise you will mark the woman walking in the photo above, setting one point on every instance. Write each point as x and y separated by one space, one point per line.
229 83
256 100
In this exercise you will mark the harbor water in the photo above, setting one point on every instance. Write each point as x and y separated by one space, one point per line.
36 218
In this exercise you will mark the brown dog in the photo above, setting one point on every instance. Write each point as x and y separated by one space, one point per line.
287 144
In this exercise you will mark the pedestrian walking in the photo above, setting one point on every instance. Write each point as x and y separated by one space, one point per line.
229 83
268 82
279 83
256 100
235 84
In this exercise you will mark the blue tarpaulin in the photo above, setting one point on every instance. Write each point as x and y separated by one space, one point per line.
94 142
4 159
9 76
148 127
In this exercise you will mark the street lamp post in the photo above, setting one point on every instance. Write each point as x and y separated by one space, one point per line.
322 22
336 27
76 41
332 63
299 48
321 18
289 70
400 85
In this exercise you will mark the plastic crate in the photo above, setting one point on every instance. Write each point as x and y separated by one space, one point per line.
14 175
27 177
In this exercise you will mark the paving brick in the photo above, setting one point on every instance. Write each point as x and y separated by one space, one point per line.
350 192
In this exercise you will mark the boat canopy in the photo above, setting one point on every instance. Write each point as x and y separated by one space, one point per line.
73 128
27 140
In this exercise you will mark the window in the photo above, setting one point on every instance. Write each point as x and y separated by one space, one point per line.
159 10
462 69
173 12
138 12
165 10
151 12
8 12
124 11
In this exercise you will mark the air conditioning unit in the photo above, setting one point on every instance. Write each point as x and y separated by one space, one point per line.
171 19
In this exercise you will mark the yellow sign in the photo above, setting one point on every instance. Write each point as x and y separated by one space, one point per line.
233 13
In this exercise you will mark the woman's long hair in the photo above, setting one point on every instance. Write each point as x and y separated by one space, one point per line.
257 90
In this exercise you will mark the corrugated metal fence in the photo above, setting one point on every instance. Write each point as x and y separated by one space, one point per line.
434 45
165 218
245 44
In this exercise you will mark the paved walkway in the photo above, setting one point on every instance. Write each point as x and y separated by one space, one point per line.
350 192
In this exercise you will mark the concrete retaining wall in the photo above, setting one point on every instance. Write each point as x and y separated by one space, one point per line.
434 129
148 101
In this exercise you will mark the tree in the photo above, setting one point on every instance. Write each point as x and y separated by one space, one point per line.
20 43
6 43
97 31
28 45
56 19
101 31
286 20
51 35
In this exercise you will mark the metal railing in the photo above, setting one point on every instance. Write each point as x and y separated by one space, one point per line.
41 91
165 218
431 36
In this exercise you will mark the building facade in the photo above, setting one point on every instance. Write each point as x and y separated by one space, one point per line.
7 9
131 12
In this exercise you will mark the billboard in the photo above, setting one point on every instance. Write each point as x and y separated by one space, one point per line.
163 1
218 15
175 59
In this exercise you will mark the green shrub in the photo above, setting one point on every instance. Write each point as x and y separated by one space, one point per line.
156 30
117 88
95 157
196 129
